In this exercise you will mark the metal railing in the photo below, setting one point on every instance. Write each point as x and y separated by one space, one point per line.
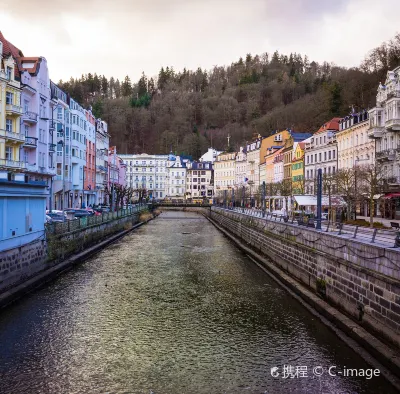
31 141
30 116
382 237
52 147
87 221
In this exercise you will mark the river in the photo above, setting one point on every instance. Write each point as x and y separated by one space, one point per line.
174 307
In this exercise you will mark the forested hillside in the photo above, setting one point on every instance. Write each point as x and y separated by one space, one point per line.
191 110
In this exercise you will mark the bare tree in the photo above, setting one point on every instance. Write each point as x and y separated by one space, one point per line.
345 181
372 180
285 190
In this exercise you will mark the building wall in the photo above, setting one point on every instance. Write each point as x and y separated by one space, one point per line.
89 176
176 177
199 179
224 172
354 144
102 147
11 138
147 172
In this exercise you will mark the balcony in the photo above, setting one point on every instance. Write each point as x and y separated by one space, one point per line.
52 148
375 131
19 165
393 180
386 155
11 136
31 167
101 168
30 142
393 123
30 117
12 109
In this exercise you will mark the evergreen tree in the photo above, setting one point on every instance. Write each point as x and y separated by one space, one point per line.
126 87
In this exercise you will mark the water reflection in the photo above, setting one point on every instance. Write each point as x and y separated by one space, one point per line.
175 308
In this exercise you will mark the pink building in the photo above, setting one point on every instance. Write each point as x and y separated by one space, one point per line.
39 148
116 169
89 169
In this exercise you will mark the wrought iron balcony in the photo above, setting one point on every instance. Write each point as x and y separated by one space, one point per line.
375 131
393 180
12 109
52 148
386 155
12 164
30 117
30 142
10 135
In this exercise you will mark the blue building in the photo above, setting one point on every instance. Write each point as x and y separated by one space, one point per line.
22 213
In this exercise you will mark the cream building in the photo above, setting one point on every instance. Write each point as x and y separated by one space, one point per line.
354 146
224 172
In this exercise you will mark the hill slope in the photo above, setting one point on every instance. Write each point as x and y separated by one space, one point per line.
191 110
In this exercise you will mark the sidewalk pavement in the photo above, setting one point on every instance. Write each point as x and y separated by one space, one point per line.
385 222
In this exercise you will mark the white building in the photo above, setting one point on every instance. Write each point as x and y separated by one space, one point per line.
102 147
241 168
176 177
253 165
384 128
62 185
78 152
210 155
199 180
321 152
147 172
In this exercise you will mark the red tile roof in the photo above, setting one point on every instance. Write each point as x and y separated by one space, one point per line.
333 125
10 49
32 70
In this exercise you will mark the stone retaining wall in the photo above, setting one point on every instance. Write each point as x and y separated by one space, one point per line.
19 264
363 280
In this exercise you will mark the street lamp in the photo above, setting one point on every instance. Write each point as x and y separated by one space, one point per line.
355 185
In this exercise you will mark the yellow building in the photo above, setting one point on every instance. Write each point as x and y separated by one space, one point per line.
298 169
10 113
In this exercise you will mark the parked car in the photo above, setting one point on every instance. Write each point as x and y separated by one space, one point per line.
55 217
78 213
93 212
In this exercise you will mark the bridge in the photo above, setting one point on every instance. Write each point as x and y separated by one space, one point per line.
179 205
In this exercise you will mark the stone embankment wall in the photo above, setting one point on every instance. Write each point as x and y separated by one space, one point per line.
362 280
19 264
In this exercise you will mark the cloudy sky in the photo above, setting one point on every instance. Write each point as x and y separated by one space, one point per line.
125 37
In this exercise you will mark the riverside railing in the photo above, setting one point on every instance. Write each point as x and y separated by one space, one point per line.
87 221
383 237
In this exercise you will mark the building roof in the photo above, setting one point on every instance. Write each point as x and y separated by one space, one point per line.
332 125
10 49
297 137
31 70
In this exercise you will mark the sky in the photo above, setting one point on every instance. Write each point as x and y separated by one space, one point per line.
126 37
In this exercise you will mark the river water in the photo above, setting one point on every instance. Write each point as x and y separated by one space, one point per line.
174 307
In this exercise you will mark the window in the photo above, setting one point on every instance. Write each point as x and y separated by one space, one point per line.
329 155
9 72
333 153
9 125
9 153
325 156
9 98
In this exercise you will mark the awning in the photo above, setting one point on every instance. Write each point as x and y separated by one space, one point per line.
336 201
392 195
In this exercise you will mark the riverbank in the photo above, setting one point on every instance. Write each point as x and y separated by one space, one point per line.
379 350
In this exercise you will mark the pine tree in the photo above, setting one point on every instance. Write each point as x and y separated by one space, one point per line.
126 87
104 86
